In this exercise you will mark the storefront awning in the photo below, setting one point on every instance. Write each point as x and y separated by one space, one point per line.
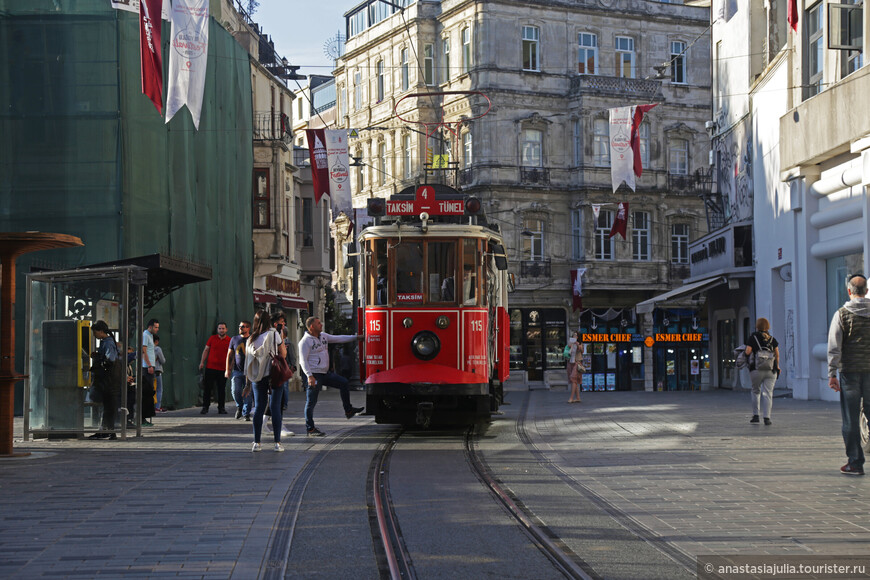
281 299
673 295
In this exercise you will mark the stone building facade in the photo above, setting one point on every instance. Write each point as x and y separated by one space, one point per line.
527 88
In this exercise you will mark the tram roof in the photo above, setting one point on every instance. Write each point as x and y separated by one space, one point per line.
434 230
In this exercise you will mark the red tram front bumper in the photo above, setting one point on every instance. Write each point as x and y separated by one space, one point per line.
427 378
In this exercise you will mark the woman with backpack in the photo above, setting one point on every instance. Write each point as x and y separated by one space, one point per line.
263 343
763 353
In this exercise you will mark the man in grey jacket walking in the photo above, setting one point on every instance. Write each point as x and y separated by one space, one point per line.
849 352
314 359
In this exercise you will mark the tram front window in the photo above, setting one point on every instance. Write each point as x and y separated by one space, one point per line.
409 272
442 271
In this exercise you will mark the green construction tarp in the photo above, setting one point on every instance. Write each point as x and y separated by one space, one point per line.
83 152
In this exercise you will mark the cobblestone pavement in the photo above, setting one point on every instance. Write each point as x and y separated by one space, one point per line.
691 469
189 499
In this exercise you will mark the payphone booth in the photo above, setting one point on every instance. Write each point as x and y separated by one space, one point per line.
61 308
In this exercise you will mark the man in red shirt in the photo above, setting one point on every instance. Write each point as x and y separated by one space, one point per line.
214 358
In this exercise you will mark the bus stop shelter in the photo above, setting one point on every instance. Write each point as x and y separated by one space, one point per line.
61 307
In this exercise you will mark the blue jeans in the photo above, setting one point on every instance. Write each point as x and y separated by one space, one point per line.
243 403
854 387
261 396
159 394
311 394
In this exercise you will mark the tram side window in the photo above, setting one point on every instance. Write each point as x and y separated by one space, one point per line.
470 268
409 272
377 273
442 271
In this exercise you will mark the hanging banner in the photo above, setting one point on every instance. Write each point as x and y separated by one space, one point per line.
619 224
151 51
596 209
188 58
792 14
625 159
577 288
133 6
319 162
339 172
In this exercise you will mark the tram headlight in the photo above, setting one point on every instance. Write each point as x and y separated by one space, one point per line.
442 322
426 345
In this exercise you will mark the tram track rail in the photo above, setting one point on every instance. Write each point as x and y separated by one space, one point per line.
394 559
634 527
559 554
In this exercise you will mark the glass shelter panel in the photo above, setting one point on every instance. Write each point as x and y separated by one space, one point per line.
67 385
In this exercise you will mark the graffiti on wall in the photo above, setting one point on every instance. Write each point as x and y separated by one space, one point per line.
733 154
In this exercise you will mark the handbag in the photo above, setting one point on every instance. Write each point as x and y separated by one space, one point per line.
280 372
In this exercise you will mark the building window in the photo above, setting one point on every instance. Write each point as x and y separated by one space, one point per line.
342 104
533 239
578 142
429 64
404 66
357 90
262 207
625 57
382 163
643 139
307 222
466 50
531 37
408 155
445 55
640 236
467 149
601 142
815 50
680 243
360 176
678 157
356 23
587 56
678 62
603 241
379 71
577 235
532 148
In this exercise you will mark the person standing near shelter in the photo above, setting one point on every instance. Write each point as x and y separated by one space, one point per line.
149 360
158 375
264 343
235 371
314 358
849 353
215 362
763 371
105 360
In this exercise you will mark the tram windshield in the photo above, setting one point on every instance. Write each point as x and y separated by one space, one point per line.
417 272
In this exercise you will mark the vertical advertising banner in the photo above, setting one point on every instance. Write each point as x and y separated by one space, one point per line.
151 52
188 58
339 172
621 155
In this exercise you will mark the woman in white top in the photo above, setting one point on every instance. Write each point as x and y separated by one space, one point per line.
262 344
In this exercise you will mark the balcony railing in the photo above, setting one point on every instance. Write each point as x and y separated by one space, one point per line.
465 176
642 88
271 127
535 269
698 183
535 175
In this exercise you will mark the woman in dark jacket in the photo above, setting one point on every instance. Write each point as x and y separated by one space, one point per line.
762 380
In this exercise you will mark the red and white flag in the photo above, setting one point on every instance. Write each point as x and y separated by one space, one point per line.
577 288
619 224
188 58
151 51
596 210
330 170
625 160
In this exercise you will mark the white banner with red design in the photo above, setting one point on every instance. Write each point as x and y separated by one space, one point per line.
188 58
625 158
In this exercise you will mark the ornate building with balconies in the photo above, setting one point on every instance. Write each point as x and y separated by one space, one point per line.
526 90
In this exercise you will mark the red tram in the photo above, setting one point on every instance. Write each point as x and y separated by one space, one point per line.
435 297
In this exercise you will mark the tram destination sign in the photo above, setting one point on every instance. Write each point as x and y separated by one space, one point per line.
425 201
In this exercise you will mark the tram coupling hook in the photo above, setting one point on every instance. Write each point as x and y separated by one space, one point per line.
425 218
424 413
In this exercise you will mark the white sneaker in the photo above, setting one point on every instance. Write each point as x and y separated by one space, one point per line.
279 447
286 432
255 448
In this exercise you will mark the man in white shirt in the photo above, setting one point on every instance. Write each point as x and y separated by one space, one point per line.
314 359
